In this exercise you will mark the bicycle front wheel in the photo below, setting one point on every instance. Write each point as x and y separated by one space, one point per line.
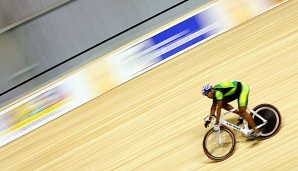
219 146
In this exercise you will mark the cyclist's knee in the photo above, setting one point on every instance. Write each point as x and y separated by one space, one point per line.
226 105
242 110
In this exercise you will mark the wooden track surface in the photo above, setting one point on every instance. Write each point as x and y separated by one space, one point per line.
155 122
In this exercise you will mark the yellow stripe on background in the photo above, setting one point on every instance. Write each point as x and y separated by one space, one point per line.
35 117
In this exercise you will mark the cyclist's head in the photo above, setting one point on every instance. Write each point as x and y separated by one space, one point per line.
206 89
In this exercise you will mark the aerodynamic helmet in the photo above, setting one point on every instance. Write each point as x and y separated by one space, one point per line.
206 89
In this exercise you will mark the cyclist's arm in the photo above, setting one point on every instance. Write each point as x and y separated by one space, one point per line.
219 97
219 106
213 108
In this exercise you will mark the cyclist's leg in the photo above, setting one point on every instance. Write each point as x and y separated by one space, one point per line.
228 107
226 104
242 103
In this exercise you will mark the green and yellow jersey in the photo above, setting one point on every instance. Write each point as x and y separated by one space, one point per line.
232 90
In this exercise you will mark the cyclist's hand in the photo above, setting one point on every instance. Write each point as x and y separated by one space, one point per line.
216 127
207 123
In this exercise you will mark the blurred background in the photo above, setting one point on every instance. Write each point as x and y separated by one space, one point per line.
39 36
155 120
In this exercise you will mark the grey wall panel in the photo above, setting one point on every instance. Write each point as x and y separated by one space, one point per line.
54 37
12 11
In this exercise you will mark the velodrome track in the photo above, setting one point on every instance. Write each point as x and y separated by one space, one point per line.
155 122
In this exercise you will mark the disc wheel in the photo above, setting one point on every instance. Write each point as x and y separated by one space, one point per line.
272 115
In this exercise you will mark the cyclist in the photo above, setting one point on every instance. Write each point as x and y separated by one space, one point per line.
222 94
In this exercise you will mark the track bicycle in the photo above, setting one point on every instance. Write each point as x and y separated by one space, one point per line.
220 145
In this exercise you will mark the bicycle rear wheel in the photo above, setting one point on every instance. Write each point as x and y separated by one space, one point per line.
272 115
219 151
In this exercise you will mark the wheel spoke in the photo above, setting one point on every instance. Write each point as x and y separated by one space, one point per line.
217 151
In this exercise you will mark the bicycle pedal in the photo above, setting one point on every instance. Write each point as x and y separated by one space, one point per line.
254 135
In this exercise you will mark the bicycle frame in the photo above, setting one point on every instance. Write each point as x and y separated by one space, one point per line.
245 130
